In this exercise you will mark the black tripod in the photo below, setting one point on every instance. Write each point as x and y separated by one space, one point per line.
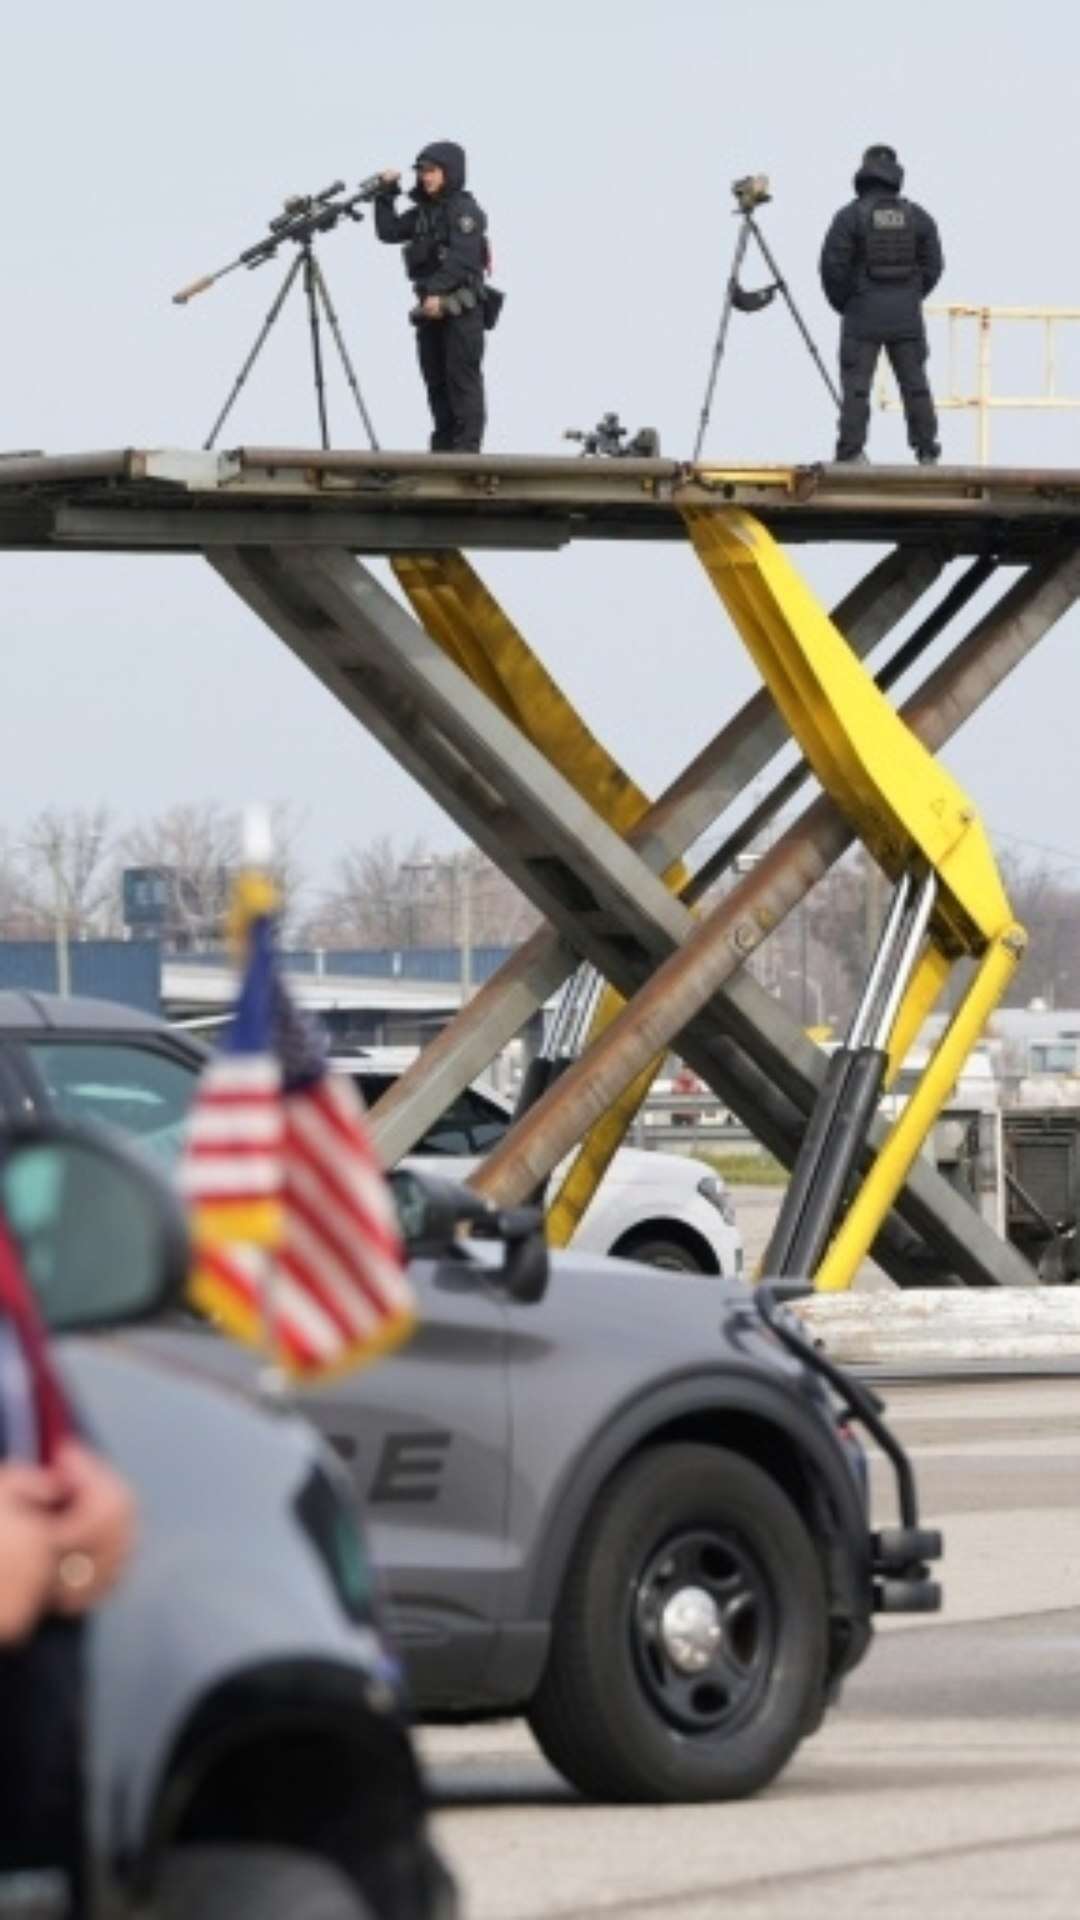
750 193
302 219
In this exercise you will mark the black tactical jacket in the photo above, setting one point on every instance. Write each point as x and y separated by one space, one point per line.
849 287
444 239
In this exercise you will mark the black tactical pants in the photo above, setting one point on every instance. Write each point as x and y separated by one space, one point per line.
858 359
451 352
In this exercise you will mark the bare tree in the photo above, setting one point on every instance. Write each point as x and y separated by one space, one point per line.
500 914
372 901
1046 900
66 861
21 917
382 898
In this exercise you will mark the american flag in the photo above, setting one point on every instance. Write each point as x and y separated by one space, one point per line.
297 1247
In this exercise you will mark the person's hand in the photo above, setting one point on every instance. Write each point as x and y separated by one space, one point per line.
390 175
92 1529
431 307
27 1549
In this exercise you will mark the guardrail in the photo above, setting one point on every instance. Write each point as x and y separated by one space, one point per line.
674 1121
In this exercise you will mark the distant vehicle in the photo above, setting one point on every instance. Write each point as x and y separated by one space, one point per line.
663 1209
248 1754
94 1059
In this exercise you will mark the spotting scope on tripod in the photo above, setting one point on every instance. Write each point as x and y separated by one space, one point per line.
752 192
302 219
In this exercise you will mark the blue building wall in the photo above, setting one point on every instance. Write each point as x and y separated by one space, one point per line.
124 970
130 970
380 963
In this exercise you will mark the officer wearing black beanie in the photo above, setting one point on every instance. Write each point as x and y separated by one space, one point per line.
881 259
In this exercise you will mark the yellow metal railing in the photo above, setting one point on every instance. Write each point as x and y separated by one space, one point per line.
970 336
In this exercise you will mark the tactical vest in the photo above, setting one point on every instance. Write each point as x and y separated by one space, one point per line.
890 242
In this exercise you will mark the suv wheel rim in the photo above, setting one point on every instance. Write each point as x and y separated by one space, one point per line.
702 1630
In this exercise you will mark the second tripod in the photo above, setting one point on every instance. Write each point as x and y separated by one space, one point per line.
316 296
751 193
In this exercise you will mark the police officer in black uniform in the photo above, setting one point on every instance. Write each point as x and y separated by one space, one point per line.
446 257
881 259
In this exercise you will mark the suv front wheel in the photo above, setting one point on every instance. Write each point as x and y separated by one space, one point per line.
688 1649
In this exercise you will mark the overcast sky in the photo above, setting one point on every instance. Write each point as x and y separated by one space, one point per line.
146 144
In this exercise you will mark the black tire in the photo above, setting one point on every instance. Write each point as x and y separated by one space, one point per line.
615 1713
671 1255
253 1883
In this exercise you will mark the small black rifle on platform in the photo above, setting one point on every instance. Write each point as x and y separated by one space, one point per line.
303 217
608 437
750 193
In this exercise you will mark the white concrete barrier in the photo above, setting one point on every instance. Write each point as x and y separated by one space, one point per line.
928 1326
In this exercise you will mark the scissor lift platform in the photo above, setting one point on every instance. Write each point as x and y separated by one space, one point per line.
443 679
389 501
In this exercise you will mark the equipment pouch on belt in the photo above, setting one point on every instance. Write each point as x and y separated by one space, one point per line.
492 300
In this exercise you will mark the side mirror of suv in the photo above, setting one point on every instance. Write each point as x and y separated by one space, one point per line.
103 1238
526 1266
431 1211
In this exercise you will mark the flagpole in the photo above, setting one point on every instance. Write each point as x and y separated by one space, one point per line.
257 853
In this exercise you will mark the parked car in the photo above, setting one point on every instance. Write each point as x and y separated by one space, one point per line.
88 1058
663 1209
248 1756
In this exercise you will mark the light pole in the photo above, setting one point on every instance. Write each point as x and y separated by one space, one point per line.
459 876
61 923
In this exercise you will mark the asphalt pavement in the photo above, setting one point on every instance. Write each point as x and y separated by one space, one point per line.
946 1784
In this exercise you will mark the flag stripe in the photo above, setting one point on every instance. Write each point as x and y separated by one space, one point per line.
363 1294
284 1310
218 1175
361 1190
337 1223
309 1214
237 1126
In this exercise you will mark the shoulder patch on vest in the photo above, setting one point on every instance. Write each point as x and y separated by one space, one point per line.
466 222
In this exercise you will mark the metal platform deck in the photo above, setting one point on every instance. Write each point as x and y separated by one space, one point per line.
400 502
443 679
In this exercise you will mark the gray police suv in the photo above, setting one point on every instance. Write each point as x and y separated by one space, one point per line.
246 1755
630 1505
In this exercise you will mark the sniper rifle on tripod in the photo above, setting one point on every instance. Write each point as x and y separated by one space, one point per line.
304 215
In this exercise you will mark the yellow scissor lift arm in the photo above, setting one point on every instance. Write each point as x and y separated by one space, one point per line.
467 622
922 829
912 816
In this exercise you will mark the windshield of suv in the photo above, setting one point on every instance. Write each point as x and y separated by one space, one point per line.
471 1124
144 1093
